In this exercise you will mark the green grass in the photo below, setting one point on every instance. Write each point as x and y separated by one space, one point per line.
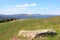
10 29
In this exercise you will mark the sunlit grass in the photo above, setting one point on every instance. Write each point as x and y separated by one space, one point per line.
10 29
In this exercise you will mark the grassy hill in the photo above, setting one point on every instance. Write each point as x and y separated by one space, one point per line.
10 29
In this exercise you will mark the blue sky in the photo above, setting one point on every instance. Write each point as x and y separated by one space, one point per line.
9 7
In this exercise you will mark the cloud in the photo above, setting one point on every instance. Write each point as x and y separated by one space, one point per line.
55 12
33 4
16 9
25 8
43 8
51 13
26 5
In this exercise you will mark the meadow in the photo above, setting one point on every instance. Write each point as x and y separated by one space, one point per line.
12 28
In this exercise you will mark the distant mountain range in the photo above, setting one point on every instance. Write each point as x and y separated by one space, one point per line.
23 16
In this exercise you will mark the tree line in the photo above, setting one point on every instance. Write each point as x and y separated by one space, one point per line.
8 19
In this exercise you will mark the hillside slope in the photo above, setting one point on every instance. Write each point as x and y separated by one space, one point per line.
10 29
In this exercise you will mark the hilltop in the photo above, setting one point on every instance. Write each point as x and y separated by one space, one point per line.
11 29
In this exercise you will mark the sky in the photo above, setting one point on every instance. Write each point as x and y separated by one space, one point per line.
49 7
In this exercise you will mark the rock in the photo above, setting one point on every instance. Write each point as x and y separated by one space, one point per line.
36 33
45 33
27 33
52 32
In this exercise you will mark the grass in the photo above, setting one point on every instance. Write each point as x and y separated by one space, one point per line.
10 29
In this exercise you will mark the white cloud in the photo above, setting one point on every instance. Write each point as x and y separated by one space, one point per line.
33 4
43 8
50 13
55 12
16 9
26 5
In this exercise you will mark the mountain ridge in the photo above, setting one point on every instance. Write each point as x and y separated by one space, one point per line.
24 16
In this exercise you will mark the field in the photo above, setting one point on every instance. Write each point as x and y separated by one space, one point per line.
11 29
